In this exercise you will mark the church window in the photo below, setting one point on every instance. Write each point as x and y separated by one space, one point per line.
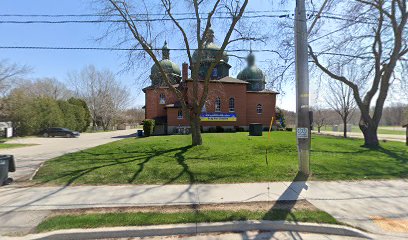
232 105
218 104
180 114
214 73
259 109
162 99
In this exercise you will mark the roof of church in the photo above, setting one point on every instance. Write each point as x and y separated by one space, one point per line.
156 87
230 80
227 79
266 91
177 104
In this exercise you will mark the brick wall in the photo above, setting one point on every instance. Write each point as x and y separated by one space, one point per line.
245 105
152 102
268 102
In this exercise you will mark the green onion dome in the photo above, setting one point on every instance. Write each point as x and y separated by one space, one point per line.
169 67
210 50
253 75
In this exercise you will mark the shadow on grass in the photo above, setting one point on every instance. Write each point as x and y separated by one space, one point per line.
180 160
130 157
401 156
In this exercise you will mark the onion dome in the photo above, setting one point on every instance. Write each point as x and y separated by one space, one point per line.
253 75
169 67
210 50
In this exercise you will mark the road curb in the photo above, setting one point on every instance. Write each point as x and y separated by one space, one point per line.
191 229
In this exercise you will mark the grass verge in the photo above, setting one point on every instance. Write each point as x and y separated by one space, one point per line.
224 158
156 218
14 145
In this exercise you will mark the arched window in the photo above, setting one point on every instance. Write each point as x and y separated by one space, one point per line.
162 99
214 73
259 108
232 105
218 104
180 114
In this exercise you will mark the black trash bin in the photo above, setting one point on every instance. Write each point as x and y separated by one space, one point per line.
7 165
255 129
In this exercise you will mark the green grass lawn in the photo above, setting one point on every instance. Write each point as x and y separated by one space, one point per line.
155 218
224 158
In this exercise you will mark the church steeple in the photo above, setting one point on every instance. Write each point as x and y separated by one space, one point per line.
165 51
209 38
251 59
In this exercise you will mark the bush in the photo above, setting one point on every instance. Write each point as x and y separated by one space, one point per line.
82 114
239 129
219 129
148 127
69 113
211 130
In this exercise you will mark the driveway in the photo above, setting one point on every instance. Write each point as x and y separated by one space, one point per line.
381 137
29 159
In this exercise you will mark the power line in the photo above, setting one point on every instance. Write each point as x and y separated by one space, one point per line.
173 49
169 19
121 21
147 14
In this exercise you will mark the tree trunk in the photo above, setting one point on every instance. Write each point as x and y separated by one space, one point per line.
345 127
318 129
370 134
196 130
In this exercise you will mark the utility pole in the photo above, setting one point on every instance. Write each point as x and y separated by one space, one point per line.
302 89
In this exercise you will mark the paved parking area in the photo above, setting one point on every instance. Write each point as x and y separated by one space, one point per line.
29 159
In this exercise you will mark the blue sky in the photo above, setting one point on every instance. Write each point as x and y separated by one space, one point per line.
52 63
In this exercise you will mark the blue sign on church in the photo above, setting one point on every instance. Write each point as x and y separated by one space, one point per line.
218 117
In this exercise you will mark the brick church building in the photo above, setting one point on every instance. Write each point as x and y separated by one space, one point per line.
232 102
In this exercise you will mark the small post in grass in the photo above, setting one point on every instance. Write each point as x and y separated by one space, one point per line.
269 137
406 134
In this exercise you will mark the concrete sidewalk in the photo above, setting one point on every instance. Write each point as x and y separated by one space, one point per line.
380 207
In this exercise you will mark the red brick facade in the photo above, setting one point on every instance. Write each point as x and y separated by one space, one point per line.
245 105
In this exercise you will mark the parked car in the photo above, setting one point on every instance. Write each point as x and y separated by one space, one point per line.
60 132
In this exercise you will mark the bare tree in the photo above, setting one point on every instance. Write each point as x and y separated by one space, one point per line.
133 116
105 97
45 87
395 115
9 73
141 30
370 36
340 99
320 117
374 40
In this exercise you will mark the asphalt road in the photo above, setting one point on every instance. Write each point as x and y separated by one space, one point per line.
29 159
